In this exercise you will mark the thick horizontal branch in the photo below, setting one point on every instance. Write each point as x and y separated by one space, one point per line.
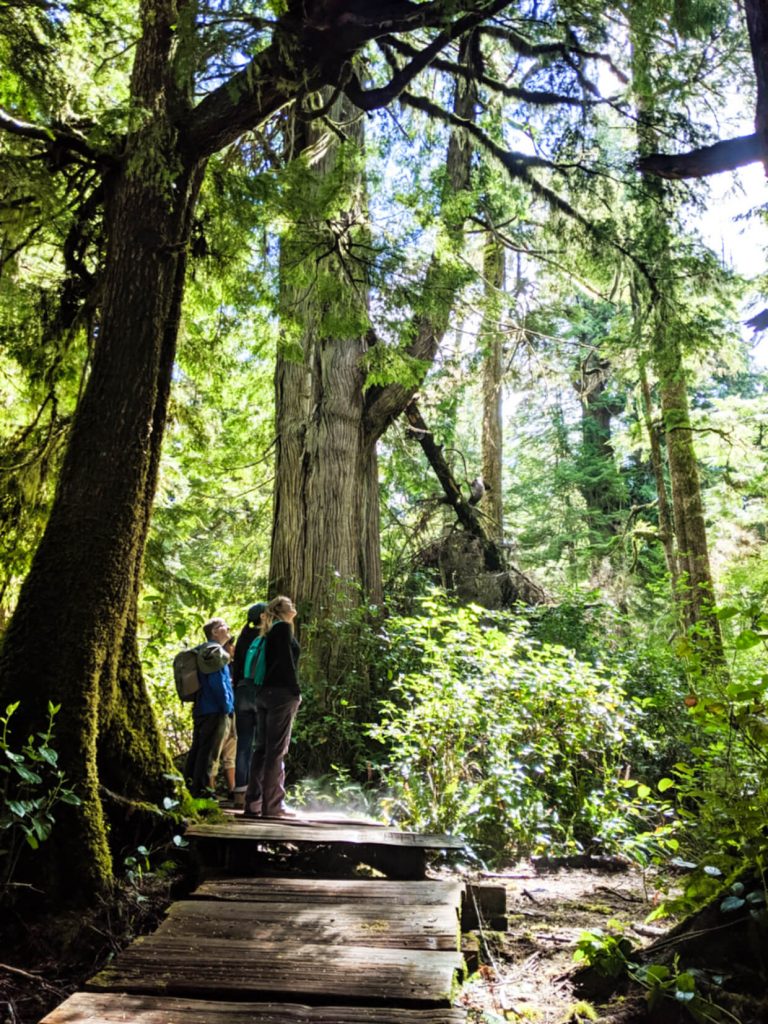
699 163
758 322
306 54
371 19
243 103
48 135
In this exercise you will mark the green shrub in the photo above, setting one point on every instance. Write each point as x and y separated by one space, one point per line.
515 745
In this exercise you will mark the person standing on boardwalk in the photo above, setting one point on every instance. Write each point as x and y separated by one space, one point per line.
246 712
228 753
277 701
214 706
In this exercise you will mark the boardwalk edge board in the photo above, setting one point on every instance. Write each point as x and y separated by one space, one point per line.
119 1008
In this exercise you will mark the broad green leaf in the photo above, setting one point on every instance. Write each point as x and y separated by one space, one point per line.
27 774
731 903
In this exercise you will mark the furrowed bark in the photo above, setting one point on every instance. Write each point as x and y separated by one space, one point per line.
491 342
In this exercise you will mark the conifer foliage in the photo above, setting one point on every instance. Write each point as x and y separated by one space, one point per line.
136 141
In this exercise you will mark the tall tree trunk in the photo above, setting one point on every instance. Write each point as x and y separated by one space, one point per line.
695 584
666 524
325 539
690 526
491 340
74 629
325 542
599 482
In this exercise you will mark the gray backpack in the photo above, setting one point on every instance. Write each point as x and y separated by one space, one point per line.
206 658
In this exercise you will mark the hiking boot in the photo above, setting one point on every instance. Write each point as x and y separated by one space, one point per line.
282 812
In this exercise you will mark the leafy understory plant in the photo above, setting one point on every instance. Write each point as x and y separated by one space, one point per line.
513 744
611 957
31 784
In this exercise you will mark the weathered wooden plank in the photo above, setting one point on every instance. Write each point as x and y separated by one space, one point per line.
315 818
154 964
332 890
356 924
118 1008
280 831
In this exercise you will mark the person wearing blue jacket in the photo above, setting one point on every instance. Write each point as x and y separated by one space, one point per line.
213 709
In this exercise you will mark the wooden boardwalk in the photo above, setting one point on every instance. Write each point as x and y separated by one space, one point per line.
347 845
266 949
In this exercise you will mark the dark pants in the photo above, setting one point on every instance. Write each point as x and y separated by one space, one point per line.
276 709
247 722
208 732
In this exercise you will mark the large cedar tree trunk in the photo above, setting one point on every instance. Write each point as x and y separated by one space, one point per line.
325 542
666 532
599 482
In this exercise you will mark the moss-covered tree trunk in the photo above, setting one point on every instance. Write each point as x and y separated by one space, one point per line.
72 639
491 341
666 524
688 508
74 630
599 481
694 585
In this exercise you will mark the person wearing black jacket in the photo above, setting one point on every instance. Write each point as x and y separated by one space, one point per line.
277 702
246 713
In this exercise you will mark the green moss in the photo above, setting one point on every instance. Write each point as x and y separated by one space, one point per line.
592 908
580 1013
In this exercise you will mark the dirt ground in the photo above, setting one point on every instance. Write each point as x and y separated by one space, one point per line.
524 974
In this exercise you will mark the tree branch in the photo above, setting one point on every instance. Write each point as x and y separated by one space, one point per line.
537 97
243 103
48 135
372 99
465 513
565 50
699 163
307 54
517 164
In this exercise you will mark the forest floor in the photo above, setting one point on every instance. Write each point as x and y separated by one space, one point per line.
526 972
